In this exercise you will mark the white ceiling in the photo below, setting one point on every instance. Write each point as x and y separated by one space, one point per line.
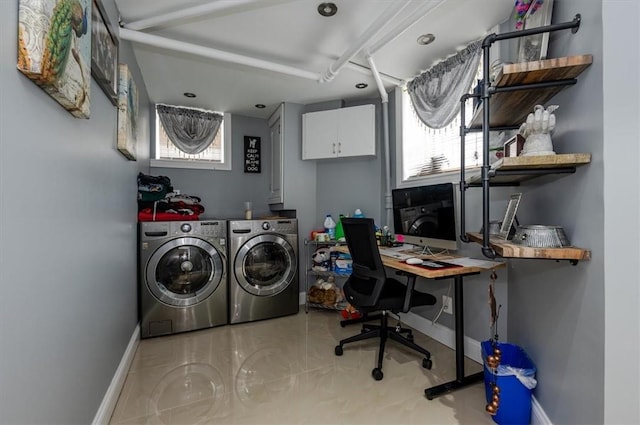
181 55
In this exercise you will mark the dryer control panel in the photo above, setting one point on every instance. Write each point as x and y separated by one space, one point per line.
283 226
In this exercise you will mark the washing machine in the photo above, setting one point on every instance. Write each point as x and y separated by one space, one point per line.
263 269
183 278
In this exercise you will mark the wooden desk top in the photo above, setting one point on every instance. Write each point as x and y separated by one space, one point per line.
396 264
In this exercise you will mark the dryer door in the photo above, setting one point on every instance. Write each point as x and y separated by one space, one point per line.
265 265
184 271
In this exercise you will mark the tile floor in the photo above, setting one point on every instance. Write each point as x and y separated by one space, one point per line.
284 371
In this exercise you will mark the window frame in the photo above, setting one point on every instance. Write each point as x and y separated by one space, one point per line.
224 165
436 178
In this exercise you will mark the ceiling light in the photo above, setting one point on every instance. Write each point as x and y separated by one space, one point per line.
425 39
189 94
327 9
362 85
260 106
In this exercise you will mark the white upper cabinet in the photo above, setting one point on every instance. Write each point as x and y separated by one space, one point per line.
339 133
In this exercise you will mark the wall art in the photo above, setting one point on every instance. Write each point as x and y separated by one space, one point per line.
127 113
54 50
104 52
534 47
251 154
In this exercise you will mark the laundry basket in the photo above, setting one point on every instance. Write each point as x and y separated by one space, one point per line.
515 376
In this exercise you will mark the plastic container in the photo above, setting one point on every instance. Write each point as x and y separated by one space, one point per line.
339 230
358 213
330 226
516 379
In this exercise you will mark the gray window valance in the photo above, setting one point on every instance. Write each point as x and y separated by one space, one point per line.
435 94
191 130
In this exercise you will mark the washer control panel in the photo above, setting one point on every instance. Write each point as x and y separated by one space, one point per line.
213 228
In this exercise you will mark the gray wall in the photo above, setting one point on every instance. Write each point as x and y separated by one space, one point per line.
223 192
556 311
348 183
68 244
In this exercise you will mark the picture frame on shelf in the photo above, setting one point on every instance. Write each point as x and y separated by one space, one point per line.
534 47
509 216
54 50
104 52
127 113
513 146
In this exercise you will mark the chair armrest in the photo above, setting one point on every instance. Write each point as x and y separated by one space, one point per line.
411 283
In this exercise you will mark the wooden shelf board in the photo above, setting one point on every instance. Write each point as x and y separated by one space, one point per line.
507 249
533 163
512 108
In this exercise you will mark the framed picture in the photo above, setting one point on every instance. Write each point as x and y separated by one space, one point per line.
513 146
54 50
127 113
534 47
104 52
510 215
251 154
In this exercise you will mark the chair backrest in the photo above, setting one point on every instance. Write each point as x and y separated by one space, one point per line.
364 286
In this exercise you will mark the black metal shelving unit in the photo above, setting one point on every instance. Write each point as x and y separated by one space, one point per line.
487 172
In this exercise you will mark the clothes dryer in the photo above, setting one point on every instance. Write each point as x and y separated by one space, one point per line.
183 278
263 269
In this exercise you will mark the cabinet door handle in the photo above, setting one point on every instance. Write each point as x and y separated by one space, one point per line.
333 149
339 147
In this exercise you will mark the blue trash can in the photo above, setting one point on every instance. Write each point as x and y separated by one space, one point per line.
516 378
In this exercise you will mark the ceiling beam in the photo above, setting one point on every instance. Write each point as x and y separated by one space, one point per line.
208 52
391 12
189 12
421 11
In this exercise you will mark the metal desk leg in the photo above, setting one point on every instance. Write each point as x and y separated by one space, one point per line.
461 380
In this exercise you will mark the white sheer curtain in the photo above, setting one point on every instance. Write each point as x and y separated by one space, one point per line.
435 94
191 130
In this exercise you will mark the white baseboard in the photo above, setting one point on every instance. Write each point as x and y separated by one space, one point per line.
103 415
472 350
443 335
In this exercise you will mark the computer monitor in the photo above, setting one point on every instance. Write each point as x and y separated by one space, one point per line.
426 215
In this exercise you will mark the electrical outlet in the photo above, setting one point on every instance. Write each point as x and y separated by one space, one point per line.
447 304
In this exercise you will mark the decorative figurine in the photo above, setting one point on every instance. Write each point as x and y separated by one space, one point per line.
537 131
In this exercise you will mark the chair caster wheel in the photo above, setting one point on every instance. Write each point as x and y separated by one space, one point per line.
427 363
342 324
410 337
377 374
338 350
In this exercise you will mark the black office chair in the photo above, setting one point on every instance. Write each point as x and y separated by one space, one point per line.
370 290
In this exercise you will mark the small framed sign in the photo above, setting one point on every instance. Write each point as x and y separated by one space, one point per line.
251 154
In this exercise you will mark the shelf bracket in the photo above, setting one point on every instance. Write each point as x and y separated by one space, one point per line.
488 252
576 19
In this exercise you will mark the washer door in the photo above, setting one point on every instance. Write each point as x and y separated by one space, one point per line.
265 265
184 271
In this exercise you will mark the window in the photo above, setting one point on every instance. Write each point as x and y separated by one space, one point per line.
215 157
422 152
